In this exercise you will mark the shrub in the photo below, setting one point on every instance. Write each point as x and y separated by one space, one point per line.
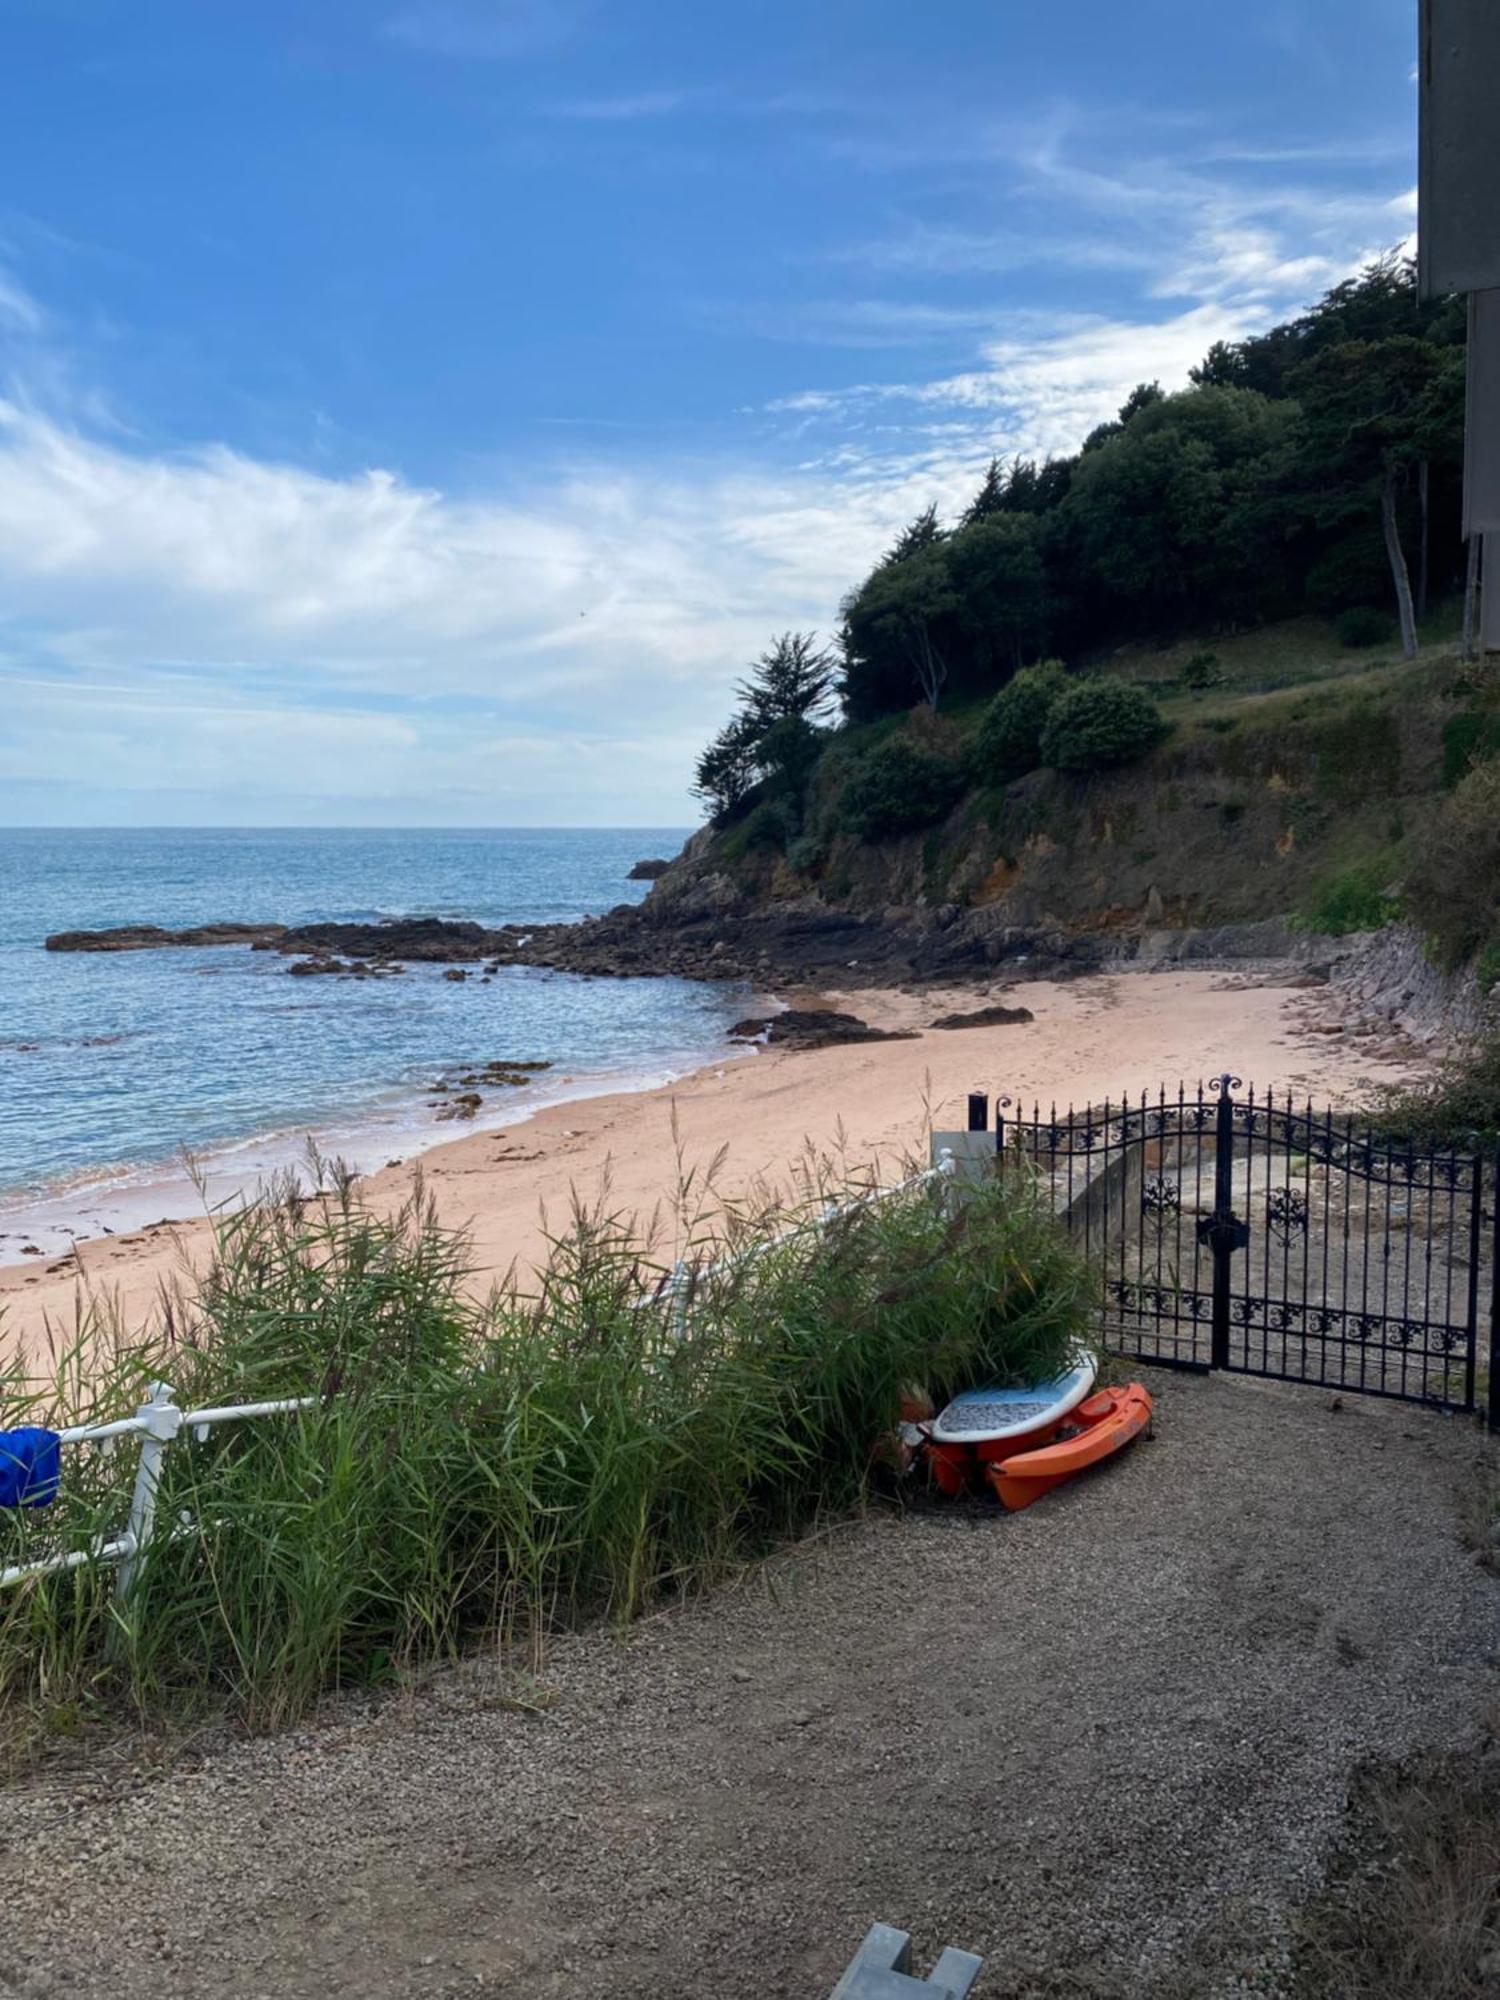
1009 738
1453 884
899 787
768 825
1095 724
807 853
1202 671
501 1466
1363 625
1357 898
1468 738
1459 1105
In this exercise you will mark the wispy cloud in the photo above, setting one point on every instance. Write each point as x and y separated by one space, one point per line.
296 609
17 307
484 29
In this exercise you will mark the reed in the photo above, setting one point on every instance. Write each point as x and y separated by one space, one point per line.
505 1465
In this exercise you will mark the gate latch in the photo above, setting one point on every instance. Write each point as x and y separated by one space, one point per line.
1223 1231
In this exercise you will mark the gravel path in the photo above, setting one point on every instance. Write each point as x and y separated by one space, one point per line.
1104 1742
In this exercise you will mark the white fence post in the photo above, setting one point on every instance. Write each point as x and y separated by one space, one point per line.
161 1420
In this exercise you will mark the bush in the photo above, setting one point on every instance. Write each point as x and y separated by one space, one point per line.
1363 625
1458 1106
1358 898
1469 738
898 788
1095 724
807 853
767 826
1202 671
506 1465
1009 738
1453 884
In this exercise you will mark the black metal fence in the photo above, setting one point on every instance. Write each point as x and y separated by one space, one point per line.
1258 1234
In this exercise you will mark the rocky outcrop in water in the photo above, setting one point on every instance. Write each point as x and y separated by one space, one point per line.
151 937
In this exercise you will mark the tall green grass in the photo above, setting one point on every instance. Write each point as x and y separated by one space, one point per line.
505 1465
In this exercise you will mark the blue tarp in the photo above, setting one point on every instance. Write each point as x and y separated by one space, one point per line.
30 1467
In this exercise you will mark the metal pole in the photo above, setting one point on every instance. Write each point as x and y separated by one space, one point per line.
160 1421
1471 1314
1222 1237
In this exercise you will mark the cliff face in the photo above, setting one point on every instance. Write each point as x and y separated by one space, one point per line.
1241 816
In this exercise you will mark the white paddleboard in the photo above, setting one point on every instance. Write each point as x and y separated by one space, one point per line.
979 1416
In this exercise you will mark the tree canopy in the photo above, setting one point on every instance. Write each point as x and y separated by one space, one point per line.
1306 469
1316 467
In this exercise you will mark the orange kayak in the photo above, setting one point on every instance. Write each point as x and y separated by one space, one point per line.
1104 1424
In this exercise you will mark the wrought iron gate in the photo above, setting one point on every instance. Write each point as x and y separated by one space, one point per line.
1263 1236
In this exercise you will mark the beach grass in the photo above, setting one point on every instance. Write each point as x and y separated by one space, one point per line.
497 1467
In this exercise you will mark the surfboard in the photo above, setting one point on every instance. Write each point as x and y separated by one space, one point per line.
987 1415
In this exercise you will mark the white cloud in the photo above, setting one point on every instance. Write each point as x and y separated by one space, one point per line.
18 309
207 619
242 635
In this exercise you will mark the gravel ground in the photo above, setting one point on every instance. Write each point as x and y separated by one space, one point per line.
1105 1742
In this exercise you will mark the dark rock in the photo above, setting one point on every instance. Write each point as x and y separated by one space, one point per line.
985 1017
462 1106
648 871
151 937
455 972
431 940
820 1028
303 967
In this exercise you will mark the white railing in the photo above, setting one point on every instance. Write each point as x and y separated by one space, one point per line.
686 1275
158 1421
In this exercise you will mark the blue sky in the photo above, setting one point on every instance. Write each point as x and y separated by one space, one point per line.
419 411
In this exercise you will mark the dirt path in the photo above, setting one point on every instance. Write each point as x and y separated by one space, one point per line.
1104 1742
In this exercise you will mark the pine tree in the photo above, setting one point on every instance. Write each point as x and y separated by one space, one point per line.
794 677
923 533
991 497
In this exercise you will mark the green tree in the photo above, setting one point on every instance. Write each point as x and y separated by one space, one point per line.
995 573
793 678
922 533
1368 408
990 499
727 769
901 630
1179 517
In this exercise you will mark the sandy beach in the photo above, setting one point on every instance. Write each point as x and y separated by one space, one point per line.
1091 1037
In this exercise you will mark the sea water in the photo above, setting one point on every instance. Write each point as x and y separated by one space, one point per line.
111 1064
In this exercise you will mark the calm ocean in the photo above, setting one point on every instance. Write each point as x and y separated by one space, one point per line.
110 1065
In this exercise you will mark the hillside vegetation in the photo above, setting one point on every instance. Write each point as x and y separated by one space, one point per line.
1212 668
